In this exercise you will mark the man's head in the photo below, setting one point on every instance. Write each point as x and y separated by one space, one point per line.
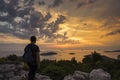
33 39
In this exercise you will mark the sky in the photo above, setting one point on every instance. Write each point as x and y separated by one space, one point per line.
64 24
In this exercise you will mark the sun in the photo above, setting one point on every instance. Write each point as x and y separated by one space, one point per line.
62 46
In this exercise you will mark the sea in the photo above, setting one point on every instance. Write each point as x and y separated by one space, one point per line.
62 54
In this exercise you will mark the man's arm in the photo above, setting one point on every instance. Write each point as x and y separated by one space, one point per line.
38 59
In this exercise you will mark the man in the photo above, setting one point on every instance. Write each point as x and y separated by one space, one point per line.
35 62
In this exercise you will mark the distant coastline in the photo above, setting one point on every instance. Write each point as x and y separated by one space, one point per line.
48 54
113 51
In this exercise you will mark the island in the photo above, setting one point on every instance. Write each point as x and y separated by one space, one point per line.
48 54
71 53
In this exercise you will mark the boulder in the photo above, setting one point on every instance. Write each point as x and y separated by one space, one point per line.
78 75
42 77
69 77
95 74
7 67
99 74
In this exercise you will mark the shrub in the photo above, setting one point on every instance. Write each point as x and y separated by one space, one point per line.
55 72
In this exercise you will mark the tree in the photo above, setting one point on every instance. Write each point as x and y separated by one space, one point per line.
96 57
12 57
118 57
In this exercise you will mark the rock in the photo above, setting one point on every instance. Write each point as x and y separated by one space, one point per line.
42 77
78 75
20 66
9 74
96 74
23 74
99 74
69 77
1 76
7 67
15 71
16 78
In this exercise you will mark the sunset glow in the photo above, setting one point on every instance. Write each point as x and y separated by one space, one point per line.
71 24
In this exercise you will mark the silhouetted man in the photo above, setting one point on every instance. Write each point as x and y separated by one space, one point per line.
33 59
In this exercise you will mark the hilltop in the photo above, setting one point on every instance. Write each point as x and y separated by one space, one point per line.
92 66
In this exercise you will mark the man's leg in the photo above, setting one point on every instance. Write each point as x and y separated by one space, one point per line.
32 71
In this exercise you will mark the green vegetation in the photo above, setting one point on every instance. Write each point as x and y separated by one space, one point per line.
58 69
11 58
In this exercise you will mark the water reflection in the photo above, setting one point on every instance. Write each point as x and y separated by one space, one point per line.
78 54
63 54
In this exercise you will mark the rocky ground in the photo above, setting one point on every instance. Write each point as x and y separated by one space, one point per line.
14 71
96 74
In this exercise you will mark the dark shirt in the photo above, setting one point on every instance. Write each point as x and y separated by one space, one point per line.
34 48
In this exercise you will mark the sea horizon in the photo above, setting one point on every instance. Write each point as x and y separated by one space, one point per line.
61 53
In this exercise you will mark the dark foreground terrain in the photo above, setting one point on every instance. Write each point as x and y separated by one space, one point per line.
69 69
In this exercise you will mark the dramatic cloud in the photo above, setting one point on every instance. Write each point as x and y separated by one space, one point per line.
80 4
86 2
22 21
41 3
61 21
113 33
56 3
70 41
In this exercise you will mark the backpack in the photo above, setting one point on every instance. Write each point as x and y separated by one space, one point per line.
28 55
